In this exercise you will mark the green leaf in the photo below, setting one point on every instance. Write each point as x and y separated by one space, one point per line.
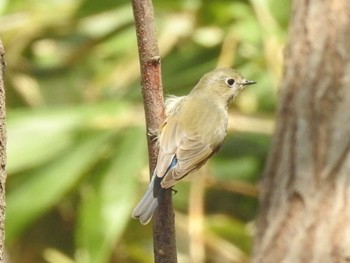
31 133
47 186
106 205
88 7
30 137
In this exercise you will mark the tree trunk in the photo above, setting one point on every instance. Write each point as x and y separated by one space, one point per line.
2 153
305 193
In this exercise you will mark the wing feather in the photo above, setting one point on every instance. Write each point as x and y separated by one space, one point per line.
191 153
167 147
185 166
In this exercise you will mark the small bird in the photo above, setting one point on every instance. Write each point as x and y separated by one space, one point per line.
194 129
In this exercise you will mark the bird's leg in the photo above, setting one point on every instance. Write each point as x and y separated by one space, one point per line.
153 134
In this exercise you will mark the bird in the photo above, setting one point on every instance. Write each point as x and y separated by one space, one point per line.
194 129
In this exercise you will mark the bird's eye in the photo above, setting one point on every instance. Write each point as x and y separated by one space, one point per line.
230 81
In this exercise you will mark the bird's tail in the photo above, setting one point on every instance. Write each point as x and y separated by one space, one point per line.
145 208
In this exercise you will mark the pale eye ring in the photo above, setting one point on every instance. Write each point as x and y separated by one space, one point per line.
230 81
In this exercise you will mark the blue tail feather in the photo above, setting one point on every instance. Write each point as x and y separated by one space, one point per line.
149 202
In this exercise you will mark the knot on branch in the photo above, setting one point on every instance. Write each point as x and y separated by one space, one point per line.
155 60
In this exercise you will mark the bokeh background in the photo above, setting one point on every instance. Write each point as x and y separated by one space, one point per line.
77 157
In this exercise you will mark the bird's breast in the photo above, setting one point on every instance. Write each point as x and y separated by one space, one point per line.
206 119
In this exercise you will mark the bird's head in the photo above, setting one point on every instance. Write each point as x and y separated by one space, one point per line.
225 82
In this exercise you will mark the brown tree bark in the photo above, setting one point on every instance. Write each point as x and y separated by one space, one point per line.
305 192
3 140
164 241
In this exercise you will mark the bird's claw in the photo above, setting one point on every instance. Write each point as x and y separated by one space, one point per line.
153 134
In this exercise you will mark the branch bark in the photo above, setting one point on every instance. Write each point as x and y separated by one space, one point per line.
305 210
2 153
152 91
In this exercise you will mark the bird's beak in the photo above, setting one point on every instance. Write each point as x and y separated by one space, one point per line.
248 82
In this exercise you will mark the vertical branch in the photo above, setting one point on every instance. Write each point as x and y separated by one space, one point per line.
163 228
2 153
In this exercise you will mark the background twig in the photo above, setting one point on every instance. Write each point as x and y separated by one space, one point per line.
3 139
163 228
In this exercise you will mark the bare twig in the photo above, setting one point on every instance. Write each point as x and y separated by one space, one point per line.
3 139
234 186
163 228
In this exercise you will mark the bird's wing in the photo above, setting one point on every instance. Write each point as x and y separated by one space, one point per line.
179 153
191 155
168 143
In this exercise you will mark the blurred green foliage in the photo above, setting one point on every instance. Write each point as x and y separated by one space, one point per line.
77 157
